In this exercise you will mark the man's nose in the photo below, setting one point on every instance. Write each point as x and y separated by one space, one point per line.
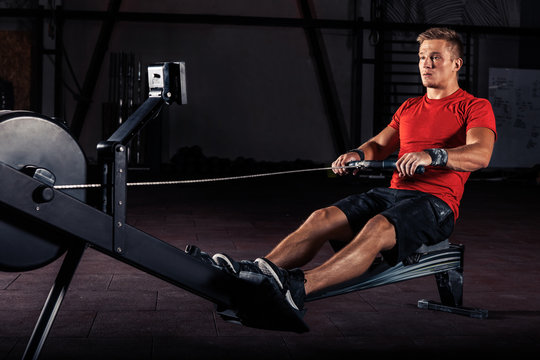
428 63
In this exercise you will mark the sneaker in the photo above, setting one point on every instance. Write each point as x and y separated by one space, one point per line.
291 282
233 266
194 251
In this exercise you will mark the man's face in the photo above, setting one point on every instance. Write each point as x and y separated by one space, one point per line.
438 66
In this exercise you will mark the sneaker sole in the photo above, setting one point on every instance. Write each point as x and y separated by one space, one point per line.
219 259
268 270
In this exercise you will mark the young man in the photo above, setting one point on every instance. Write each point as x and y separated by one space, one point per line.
447 130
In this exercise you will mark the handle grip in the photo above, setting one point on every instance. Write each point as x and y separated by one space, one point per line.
384 164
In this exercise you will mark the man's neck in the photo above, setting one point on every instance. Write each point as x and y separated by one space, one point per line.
435 93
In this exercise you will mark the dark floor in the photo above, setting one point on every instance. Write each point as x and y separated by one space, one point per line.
114 311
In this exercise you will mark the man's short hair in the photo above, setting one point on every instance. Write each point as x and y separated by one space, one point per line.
449 35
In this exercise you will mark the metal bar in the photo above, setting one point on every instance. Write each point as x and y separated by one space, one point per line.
143 251
58 62
460 310
406 93
405 83
411 42
476 65
468 62
93 69
406 73
54 300
379 122
123 135
357 82
119 198
326 81
188 18
265 21
403 52
399 62
36 90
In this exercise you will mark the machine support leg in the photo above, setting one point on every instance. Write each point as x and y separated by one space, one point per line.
55 298
450 285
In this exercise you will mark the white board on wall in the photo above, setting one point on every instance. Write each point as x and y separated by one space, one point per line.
515 97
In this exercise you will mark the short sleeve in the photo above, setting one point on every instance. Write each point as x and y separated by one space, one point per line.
394 123
480 114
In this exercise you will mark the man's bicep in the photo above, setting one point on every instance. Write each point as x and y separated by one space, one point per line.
382 145
481 136
480 141
388 138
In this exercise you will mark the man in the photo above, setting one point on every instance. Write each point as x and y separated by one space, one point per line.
447 130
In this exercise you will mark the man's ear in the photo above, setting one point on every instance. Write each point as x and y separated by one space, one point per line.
458 63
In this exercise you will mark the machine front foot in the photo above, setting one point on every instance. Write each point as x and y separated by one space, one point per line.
460 310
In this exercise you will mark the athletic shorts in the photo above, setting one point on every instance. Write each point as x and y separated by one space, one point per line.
419 218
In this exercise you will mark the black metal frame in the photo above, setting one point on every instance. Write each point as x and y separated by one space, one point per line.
87 225
107 230
55 298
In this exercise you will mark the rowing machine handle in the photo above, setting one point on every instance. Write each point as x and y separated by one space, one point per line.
384 164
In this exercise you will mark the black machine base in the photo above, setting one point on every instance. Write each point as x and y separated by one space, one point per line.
460 310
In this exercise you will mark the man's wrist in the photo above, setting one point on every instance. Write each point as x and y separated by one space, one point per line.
439 157
359 152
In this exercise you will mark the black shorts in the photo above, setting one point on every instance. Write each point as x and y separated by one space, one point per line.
419 218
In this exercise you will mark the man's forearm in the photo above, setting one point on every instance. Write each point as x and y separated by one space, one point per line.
468 157
374 151
474 155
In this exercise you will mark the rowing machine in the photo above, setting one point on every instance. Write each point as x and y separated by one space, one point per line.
40 222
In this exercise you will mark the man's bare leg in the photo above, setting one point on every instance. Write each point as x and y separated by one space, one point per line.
355 258
302 245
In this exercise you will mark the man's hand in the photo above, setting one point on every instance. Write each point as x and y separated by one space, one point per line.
407 164
342 161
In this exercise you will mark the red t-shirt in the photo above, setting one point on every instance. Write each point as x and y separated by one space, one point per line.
439 123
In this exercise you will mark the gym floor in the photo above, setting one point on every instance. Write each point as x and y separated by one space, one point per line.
114 311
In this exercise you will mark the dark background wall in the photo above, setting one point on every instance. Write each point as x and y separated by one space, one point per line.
254 88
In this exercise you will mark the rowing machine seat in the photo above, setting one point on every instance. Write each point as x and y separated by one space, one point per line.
440 258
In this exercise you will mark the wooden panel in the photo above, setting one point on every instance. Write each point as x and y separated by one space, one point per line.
16 64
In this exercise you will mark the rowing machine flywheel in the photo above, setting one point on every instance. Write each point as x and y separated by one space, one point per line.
36 142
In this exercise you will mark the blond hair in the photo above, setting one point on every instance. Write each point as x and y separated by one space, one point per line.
452 37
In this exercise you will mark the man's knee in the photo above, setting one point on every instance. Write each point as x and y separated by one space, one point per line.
331 221
327 216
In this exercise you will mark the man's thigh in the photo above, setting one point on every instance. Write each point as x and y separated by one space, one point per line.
420 219
358 210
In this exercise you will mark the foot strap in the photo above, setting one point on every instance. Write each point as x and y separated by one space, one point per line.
263 306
